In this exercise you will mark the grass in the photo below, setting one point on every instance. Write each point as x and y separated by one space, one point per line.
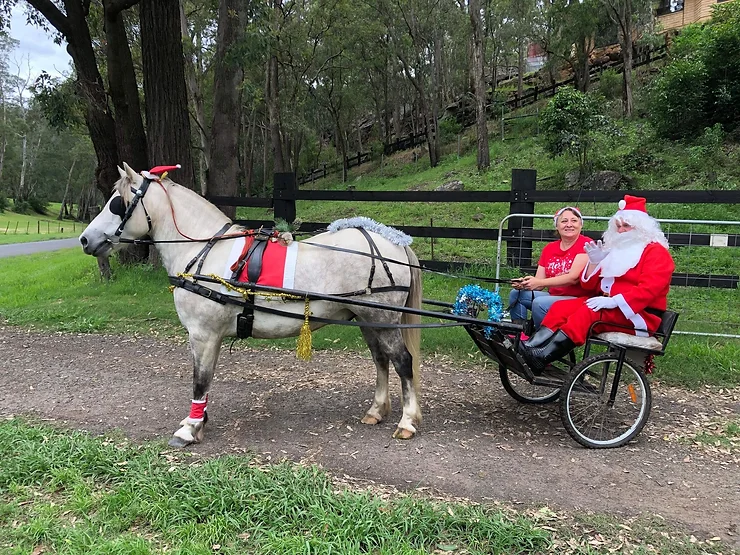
24 228
68 492
72 493
138 301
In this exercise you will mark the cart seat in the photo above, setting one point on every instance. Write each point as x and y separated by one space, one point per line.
631 341
655 344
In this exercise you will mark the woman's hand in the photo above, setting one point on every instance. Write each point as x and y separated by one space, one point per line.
530 283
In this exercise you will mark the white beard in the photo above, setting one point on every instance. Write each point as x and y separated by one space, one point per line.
625 251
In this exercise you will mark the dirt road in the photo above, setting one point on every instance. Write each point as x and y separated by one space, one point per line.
476 442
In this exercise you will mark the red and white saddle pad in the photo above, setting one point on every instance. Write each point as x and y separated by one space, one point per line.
278 264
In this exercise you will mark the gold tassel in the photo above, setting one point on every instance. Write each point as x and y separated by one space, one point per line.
303 349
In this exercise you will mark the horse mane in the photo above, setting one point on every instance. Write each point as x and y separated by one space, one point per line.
392 234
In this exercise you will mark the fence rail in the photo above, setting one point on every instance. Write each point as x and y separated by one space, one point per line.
40 227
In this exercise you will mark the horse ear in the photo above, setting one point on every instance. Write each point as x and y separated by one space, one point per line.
121 172
129 172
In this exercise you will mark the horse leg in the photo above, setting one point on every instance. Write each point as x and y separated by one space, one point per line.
381 406
395 349
205 351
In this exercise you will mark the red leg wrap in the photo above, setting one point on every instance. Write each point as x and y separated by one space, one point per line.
198 409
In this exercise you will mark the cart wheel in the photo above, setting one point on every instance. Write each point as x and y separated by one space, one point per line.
525 392
586 410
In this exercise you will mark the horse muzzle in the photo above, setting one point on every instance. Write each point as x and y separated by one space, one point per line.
102 247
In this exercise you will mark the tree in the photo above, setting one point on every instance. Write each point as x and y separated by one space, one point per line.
629 16
223 173
570 123
483 158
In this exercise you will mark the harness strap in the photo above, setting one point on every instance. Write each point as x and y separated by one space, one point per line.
230 299
374 250
206 249
254 266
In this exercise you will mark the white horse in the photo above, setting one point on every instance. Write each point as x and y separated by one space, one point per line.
365 264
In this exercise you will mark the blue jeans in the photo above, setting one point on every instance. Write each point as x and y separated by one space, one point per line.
539 304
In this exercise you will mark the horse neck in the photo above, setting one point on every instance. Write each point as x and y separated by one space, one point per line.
194 218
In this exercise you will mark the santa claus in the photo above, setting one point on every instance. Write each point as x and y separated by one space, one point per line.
628 274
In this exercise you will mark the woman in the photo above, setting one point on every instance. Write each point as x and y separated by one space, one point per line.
559 270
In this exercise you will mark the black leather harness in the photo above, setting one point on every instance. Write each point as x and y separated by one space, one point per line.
252 259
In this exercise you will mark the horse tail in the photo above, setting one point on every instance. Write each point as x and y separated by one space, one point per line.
412 336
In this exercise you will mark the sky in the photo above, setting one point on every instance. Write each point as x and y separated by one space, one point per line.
36 51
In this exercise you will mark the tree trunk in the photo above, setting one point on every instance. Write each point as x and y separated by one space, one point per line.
66 189
626 43
520 73
223 173
100 124
483 158
195 93
124 91
168 120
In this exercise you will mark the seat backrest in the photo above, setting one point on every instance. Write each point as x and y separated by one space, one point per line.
665 329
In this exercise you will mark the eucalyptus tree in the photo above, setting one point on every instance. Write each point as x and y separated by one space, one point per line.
630 18
483 157
417 40
570 35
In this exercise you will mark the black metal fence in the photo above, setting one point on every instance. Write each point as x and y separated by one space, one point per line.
522 199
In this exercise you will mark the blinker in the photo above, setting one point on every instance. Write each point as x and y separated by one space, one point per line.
117 207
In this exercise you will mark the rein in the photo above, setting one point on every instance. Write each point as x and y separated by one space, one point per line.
183 282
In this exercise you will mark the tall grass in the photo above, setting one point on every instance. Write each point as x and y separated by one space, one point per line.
70 493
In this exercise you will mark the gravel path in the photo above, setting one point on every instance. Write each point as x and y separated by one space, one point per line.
476 442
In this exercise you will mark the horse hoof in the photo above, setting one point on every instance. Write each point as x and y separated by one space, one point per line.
178 442
402 433
370 420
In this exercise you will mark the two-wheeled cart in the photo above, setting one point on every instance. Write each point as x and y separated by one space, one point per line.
605 398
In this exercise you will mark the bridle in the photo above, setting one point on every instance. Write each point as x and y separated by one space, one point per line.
138 196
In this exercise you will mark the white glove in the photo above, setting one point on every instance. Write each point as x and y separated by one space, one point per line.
595 251
600 303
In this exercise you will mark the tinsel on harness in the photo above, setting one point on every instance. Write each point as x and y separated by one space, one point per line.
471 299
392 234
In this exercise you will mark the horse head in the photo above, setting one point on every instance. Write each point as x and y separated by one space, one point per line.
123 216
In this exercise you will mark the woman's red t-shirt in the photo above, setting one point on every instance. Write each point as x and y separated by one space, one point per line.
557 262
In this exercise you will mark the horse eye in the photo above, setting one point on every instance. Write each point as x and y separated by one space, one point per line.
117 207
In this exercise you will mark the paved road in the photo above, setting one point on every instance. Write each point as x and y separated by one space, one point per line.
17 249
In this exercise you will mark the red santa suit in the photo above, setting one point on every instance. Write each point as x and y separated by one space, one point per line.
637 277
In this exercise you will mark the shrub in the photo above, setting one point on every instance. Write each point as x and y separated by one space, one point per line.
4 204
21 207
570 124
677 99
610 84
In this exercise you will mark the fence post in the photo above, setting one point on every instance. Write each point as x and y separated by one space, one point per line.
283 196
519 252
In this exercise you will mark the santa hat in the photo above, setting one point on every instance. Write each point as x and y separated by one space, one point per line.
631 209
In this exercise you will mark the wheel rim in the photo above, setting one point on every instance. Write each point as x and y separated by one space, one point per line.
530 391
591 412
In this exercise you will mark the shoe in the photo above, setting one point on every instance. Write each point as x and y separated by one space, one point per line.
537 358
540 337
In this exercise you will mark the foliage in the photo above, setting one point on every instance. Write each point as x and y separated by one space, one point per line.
58 102
677 99
449 129
571 123
701 85
610 84
4 204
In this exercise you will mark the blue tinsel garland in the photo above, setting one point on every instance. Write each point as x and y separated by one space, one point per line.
471 299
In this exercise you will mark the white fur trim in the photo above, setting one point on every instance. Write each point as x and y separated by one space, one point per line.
236 250
291 257
393 235
629 340
622 203
624 306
